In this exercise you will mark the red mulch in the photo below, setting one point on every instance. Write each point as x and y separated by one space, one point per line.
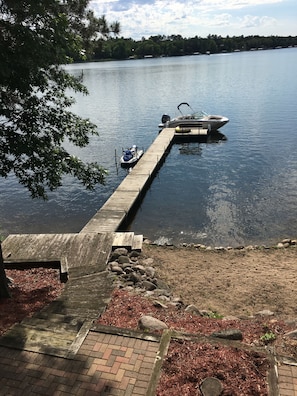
125 310
31 290
188 363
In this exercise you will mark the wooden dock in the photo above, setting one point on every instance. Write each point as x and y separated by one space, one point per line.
123 201
116 209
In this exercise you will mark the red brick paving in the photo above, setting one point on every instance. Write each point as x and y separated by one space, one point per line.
287 380
106 364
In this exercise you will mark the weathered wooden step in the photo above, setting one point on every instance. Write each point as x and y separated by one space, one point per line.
123 239
48 325
25 337
137 242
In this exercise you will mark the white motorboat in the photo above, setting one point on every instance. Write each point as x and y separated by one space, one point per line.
131 156
196 119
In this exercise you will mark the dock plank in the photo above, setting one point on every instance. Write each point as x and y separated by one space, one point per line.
105 221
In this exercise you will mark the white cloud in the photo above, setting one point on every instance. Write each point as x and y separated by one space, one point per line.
250 21
144 18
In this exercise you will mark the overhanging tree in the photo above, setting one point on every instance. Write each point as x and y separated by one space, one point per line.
37 37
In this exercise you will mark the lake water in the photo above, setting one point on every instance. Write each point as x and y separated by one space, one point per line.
235 192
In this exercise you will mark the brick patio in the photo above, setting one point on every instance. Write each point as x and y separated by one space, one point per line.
106 364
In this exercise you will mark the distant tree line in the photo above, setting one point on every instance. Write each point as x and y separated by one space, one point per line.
176 45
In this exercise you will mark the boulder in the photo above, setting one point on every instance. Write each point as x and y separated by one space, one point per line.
114 267
151 323
134 277
120 251
123 259
148 285
150 272
193 310
265 312
211 386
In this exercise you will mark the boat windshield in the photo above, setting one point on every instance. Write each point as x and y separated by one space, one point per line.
199 114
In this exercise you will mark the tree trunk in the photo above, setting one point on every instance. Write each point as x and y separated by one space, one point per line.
4 290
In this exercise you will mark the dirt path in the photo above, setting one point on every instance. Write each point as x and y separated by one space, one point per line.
235 282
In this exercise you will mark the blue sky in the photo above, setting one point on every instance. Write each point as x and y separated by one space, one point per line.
144 18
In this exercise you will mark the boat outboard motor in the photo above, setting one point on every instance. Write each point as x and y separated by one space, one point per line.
165 118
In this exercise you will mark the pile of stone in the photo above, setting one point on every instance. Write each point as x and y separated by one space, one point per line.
135 272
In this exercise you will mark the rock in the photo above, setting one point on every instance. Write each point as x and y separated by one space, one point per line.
159 304
128 269
151 323
134 253
148 285
230 317
162 292
135 278
162 285
211 387
265 312
150 272
123 259
250 247
113 256
178 300
165 298
147 262
193 310
205 312
121 251
134 259
140 269
114 267
147 241
231 334
286 241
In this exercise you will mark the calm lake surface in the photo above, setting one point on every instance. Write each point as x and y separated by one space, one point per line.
239 191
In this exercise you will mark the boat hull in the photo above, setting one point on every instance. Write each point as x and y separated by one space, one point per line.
136 157
212 123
